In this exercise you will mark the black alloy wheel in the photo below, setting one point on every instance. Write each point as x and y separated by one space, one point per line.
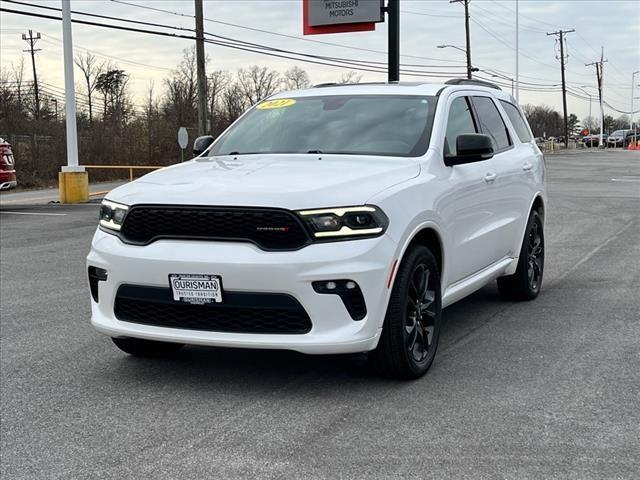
411 328
421 314
526 282
535 255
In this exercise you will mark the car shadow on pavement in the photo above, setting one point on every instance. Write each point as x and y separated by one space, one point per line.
232 368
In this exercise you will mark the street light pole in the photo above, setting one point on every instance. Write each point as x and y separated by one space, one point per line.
495 75
633 76
633 83
470 69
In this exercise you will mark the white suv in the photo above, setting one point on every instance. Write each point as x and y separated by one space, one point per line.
330 220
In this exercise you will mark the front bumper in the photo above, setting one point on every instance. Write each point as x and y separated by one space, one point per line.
245 268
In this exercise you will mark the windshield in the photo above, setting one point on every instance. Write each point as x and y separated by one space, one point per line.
618 133
395 125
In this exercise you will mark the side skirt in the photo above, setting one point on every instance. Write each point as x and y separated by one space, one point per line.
467 286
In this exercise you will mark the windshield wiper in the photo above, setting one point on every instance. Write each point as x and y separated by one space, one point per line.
314 151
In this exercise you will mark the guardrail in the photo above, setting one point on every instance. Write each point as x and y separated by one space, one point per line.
131 168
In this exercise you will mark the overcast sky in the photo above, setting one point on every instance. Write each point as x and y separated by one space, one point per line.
424 25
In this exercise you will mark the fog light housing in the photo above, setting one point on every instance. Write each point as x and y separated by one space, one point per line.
96 275
348 291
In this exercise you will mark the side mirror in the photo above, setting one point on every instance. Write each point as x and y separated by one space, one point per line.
472 147
200 144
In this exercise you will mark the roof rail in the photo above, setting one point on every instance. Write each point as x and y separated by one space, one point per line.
469 81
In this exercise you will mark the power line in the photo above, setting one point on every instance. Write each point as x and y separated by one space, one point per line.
232 43
284 35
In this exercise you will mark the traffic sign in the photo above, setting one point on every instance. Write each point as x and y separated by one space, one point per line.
336 16
183 138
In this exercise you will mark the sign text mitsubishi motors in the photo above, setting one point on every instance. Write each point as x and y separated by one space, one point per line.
335 16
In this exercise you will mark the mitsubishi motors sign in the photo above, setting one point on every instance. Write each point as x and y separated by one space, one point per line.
335 16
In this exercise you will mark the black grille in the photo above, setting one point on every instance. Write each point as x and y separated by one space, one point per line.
240 312
270 229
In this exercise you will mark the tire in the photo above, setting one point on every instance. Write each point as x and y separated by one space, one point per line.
411 328
146 348
526 282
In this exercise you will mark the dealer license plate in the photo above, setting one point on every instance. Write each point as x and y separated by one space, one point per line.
197 289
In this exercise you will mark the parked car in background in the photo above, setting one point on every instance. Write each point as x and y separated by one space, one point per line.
337 219
620 138
7 164
593 140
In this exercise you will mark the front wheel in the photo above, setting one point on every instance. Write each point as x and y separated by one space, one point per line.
139 347
525 283
411 327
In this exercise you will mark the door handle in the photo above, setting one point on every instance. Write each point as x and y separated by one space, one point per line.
527 166
490 177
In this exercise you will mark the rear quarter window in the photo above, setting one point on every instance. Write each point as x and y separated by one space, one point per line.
518 122
491 122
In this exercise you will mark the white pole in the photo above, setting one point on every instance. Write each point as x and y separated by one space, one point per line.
517 54
601 97
633 76
69 90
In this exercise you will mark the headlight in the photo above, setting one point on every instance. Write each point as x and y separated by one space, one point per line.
345 222
112 215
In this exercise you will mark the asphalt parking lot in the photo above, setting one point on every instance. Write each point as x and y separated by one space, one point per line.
546 389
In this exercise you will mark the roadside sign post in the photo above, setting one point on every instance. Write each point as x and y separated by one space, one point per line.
73 180
183 139
322 16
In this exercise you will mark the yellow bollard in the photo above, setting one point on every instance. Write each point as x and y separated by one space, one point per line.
74 187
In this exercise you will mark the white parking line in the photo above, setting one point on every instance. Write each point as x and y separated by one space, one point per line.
34 213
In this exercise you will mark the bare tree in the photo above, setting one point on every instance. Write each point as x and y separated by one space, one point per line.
234 101
91 70
17 73
258 82
350 77
182 92
217 83
296 78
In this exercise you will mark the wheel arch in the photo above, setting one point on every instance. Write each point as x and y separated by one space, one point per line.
427 235
538 204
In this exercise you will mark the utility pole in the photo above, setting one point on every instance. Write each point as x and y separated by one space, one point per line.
31 40
468 36
393 13
561 34
600 76
202 78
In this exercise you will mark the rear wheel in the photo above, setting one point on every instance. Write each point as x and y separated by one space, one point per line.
139 347
525 283
411 328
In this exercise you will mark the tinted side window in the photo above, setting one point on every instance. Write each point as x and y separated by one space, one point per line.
460 121
518 122
491 122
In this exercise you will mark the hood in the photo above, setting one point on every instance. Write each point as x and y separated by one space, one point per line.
286 181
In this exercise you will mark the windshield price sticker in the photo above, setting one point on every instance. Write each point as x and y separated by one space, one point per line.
197 289
278 103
